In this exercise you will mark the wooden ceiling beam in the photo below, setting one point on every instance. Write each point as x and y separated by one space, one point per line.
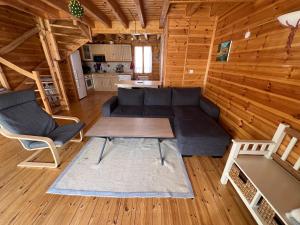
23 7
17 42
41 6
191 9
58 4
134 37
164 13
140 12
118 12
92 9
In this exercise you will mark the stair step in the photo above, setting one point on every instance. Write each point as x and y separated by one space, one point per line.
43 82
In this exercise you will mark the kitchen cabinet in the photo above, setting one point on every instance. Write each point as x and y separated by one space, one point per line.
113 53
98 49
105 82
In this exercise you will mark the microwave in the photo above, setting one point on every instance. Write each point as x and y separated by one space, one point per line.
99 58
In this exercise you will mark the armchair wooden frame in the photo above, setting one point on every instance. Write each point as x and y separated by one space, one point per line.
50 144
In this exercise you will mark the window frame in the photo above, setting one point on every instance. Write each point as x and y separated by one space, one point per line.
143 58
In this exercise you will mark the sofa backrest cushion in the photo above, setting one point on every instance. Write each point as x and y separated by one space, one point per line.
158 96
131 96
209 108
186 96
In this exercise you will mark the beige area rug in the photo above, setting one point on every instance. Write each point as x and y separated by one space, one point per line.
129 168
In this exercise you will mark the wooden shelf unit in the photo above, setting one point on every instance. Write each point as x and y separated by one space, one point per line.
273 184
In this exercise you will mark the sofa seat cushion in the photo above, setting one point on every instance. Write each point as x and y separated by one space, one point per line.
60 135
158 111
201 136
186 96
158 96
127 111
131 97
188 112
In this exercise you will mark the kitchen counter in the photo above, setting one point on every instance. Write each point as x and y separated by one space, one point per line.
138 84
107 81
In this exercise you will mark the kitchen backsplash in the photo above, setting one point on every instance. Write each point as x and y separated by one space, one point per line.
110 67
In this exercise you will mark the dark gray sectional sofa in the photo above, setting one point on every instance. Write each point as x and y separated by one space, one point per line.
194 119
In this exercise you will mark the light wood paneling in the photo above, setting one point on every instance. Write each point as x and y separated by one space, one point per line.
259 87
188 44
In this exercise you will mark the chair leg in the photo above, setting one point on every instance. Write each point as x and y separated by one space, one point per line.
28 163
78 139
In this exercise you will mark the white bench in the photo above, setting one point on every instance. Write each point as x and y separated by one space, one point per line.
258 175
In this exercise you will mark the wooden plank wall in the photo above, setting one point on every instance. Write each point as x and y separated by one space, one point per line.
188 42
28 55
260 85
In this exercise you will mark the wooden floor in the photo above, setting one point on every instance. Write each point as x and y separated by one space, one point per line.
23 198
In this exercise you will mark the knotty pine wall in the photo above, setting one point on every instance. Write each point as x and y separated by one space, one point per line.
187 44
28 55
260 85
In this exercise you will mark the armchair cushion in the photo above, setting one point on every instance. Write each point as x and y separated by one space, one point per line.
21 114
27 118
10 99
60 135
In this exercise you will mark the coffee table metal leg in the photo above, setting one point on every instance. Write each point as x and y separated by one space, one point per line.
102 150
159 147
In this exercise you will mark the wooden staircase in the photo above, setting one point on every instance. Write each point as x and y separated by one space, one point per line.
59 38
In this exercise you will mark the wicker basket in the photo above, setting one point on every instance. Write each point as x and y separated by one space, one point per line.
242 182
267 213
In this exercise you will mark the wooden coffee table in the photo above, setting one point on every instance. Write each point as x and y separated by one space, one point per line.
124 127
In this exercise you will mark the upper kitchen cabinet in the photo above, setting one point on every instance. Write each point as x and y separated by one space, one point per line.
113 53
87 54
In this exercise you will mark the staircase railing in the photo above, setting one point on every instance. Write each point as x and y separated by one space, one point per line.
34 75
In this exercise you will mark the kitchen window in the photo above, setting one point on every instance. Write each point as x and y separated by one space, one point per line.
143 59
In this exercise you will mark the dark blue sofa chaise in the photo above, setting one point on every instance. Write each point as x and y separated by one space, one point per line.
194 119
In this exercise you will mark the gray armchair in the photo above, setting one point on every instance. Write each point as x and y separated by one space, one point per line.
23 119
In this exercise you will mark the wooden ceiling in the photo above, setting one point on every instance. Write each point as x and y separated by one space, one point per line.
119 16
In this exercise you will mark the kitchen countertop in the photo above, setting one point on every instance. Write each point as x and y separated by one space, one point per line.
139 83
110 73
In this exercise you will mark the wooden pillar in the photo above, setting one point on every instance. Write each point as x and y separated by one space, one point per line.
62 85
3 79
41 89
210 54
51 41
